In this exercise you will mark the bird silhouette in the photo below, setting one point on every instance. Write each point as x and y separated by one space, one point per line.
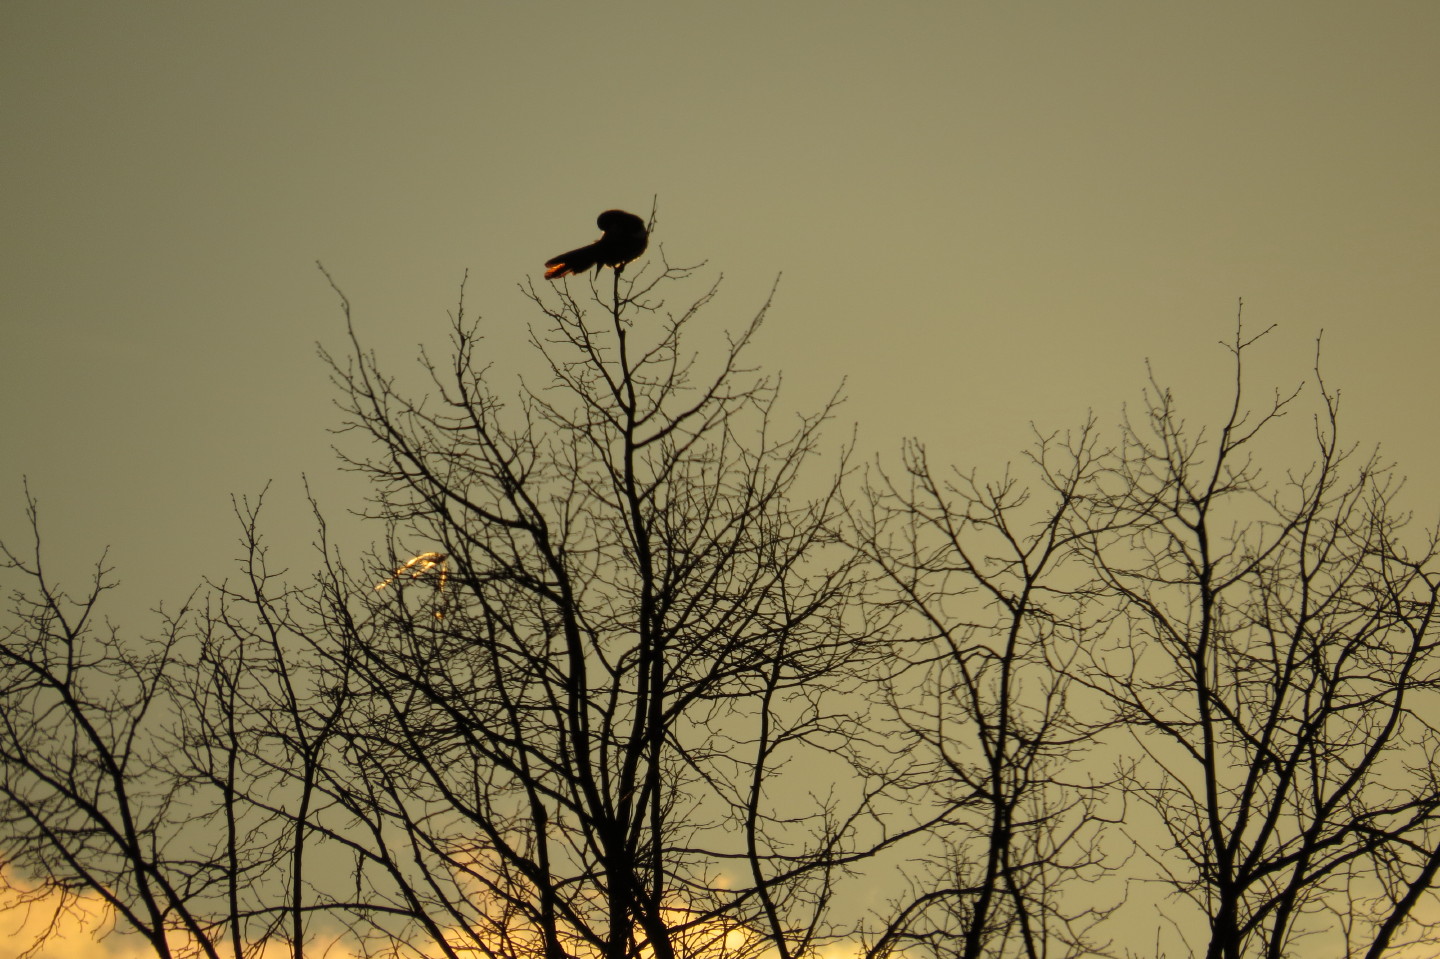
622 240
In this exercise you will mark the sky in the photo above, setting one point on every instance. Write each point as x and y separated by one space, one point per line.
983 216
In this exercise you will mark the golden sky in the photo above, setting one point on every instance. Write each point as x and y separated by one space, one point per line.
986 214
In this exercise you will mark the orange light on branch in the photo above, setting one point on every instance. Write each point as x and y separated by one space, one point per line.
418 566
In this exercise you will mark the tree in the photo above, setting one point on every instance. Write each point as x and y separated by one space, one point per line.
1265 662
1273 660
573 745
565 733
577 736
89 804
985 704
627 679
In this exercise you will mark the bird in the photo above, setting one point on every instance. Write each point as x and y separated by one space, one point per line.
623 238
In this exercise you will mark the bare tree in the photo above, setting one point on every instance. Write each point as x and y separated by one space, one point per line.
89 807
1274 660
986 573
609 707
256 725
569 717
628 679
174 778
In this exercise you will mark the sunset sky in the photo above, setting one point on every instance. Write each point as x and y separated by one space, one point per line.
986 215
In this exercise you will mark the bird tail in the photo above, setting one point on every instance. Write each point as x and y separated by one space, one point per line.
576 261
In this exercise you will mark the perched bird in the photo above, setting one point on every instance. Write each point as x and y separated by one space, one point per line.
624 238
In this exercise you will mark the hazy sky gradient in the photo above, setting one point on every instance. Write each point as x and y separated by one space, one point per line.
986 214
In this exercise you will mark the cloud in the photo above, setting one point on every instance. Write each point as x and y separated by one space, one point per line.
72 926
83 927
